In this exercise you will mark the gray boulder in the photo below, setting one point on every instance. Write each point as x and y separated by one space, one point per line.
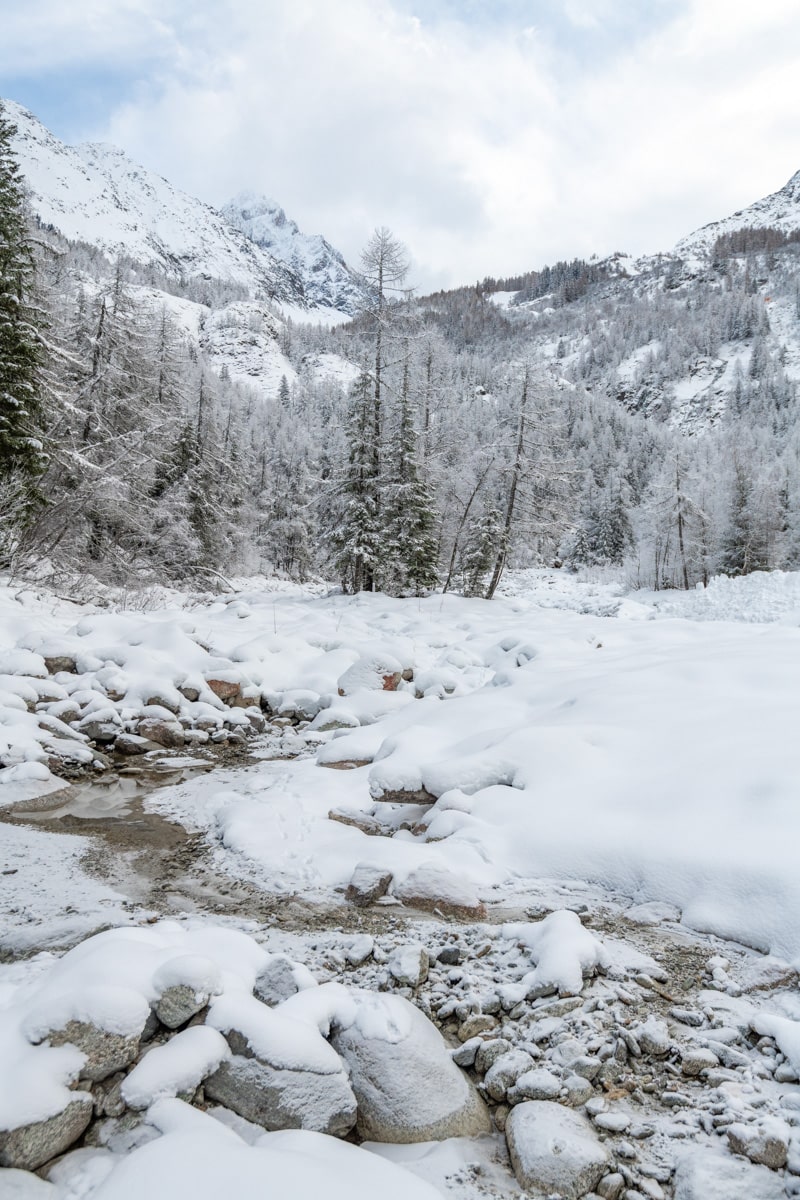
105 1052
282 1099
407 1086
704 1173
178 1004
368 884
276 981
30 1146
554 1149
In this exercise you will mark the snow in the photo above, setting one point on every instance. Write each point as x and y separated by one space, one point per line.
179 1065
282 1040
780 210
200 1157
562 949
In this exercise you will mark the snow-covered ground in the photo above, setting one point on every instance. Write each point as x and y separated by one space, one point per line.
566 748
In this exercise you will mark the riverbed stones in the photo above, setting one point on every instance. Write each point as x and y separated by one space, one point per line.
30 1146
276 981
554 1149
407 1086
505 1072
281 1099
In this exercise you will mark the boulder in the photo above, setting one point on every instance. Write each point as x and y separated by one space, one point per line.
408 965
106 1053
554 1149
131 744
226 690
367 884
30 1146
165 733
61 662
766 1143
178 1004
536 1084
99 730
705 1173
431 887
282 1099
277 981
407 1086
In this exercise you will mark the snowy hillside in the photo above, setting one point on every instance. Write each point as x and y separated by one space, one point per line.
328 281
94 193
780 210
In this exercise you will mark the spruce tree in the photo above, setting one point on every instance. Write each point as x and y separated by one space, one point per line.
21 453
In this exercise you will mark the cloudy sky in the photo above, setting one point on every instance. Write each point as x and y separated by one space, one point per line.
492 136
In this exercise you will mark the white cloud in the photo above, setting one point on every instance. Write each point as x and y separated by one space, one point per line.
488 149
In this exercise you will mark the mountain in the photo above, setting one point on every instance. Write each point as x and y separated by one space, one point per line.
328 281
94 193
779 211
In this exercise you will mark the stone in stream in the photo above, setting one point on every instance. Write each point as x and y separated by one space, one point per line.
30 1146
554 1149
164 732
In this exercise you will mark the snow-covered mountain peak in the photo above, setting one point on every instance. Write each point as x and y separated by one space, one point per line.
329 281
780 210
95 193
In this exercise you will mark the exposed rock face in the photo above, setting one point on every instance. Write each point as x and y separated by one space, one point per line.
407 1086
554 1149
368 884
280 1099
105 1052
29 1146
178 1004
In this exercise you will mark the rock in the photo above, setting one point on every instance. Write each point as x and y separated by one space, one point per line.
367 884
465 1056
479 1023
99 730
130 743
377 672
449 956
694 1062
707 1174
653 1037
431 888
276 981
554 1149
538 1084
226 690
579 1090
408 965
612 1122
766 1143
500 1117
106 1053
178 1004
488 1052
611 1186
359 949
505 1072
192 694
61 662
159 700
407 1086
164 732
282 1099
30 1146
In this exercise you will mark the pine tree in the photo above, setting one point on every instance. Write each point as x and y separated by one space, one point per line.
21 451
411 560
358 543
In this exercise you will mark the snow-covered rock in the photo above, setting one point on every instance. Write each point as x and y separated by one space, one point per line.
29 1146
554 1149
407 1086
705 1173
284 1099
